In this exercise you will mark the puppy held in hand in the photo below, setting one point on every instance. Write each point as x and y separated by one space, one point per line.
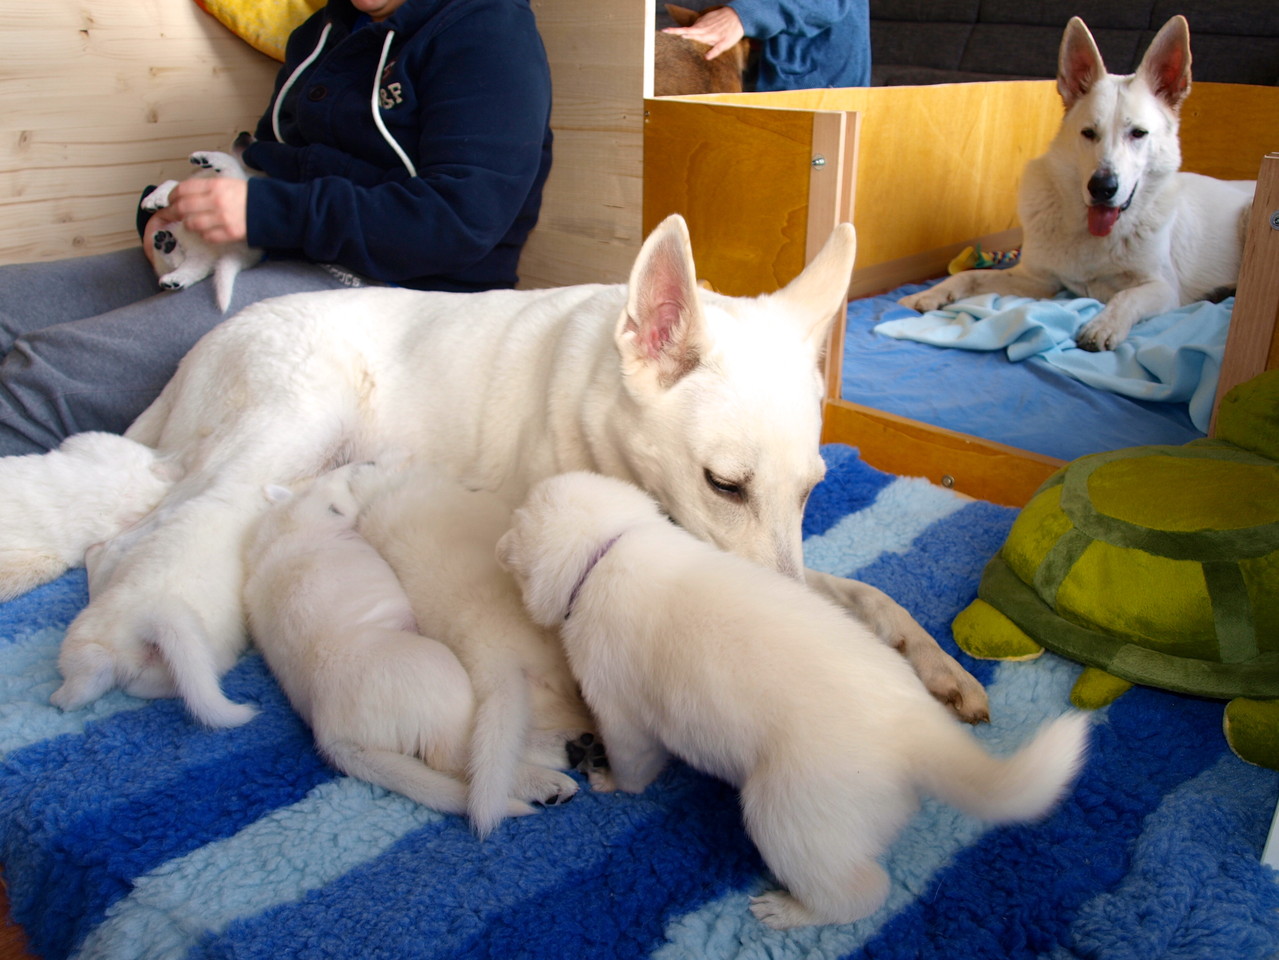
749 676
439 538
384 703
56 505
187 259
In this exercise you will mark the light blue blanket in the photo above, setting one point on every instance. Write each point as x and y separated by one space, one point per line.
1175 356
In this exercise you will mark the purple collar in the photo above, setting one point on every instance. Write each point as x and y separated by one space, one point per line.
581 581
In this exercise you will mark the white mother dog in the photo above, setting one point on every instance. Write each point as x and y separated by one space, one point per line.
710 403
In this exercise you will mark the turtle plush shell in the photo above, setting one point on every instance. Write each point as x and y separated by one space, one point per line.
1158 565
1155 565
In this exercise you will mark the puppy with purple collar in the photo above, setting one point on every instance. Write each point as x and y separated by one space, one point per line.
748 675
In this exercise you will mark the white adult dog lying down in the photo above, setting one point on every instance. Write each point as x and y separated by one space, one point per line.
752 677
710 403
1105 212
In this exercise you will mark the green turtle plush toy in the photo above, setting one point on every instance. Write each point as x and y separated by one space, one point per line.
1154 565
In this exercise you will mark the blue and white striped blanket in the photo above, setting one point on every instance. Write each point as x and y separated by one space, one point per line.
128 832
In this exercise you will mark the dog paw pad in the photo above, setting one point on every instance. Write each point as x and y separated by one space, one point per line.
586 753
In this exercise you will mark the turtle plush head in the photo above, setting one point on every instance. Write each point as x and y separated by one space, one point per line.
1155 565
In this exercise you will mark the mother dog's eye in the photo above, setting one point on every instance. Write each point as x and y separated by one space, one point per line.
725 487
1137 133
1089 133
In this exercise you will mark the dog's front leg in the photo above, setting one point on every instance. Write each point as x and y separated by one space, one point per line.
1110 327
1016 281
941 673
635 758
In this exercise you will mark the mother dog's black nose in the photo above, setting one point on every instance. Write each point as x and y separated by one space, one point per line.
1103 186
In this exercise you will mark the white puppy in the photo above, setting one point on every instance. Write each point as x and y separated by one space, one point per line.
57 504
748 675
385 704
186 257
439 538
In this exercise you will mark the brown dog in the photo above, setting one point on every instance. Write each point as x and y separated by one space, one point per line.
680 66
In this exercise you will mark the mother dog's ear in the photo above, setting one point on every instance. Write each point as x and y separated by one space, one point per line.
1079 63
1165 66
819 295
662 330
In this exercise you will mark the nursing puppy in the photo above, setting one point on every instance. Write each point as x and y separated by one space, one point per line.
187 258
1105 212
750 676
439 538
384 703
57 504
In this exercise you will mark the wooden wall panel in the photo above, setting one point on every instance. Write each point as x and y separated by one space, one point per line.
102 98
589 228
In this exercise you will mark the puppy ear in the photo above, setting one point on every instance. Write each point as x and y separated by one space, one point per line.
659 334
506 549
1079 63
1166 64
276 493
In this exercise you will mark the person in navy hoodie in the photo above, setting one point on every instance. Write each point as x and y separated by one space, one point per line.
803 44
407 142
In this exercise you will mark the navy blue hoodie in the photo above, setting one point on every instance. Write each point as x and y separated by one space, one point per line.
435 188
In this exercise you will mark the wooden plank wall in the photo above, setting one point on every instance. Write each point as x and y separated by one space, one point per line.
101 98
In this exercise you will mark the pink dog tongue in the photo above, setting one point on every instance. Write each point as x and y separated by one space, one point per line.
1101 219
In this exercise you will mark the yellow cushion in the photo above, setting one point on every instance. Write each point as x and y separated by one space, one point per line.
265 24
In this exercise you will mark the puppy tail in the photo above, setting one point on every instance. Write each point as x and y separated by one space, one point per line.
1023 787
502 721
180 637
224 273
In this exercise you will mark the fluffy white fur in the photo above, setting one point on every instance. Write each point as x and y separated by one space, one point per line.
752 677
188 259
384 703
713 404
439 538
1105 212
57 504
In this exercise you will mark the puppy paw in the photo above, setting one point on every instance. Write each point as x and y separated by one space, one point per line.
164 241
586 754
545 787
780 911
216 162
602 781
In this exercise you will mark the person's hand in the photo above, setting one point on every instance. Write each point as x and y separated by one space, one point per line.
719 29
213 208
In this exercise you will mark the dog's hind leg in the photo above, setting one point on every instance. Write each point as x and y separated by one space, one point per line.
942 674
407 776
497 744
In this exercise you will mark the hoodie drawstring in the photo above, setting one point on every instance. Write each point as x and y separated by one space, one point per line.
376 107
374 104
288 84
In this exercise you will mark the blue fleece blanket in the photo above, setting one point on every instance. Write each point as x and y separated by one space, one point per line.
128 832
1175 356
